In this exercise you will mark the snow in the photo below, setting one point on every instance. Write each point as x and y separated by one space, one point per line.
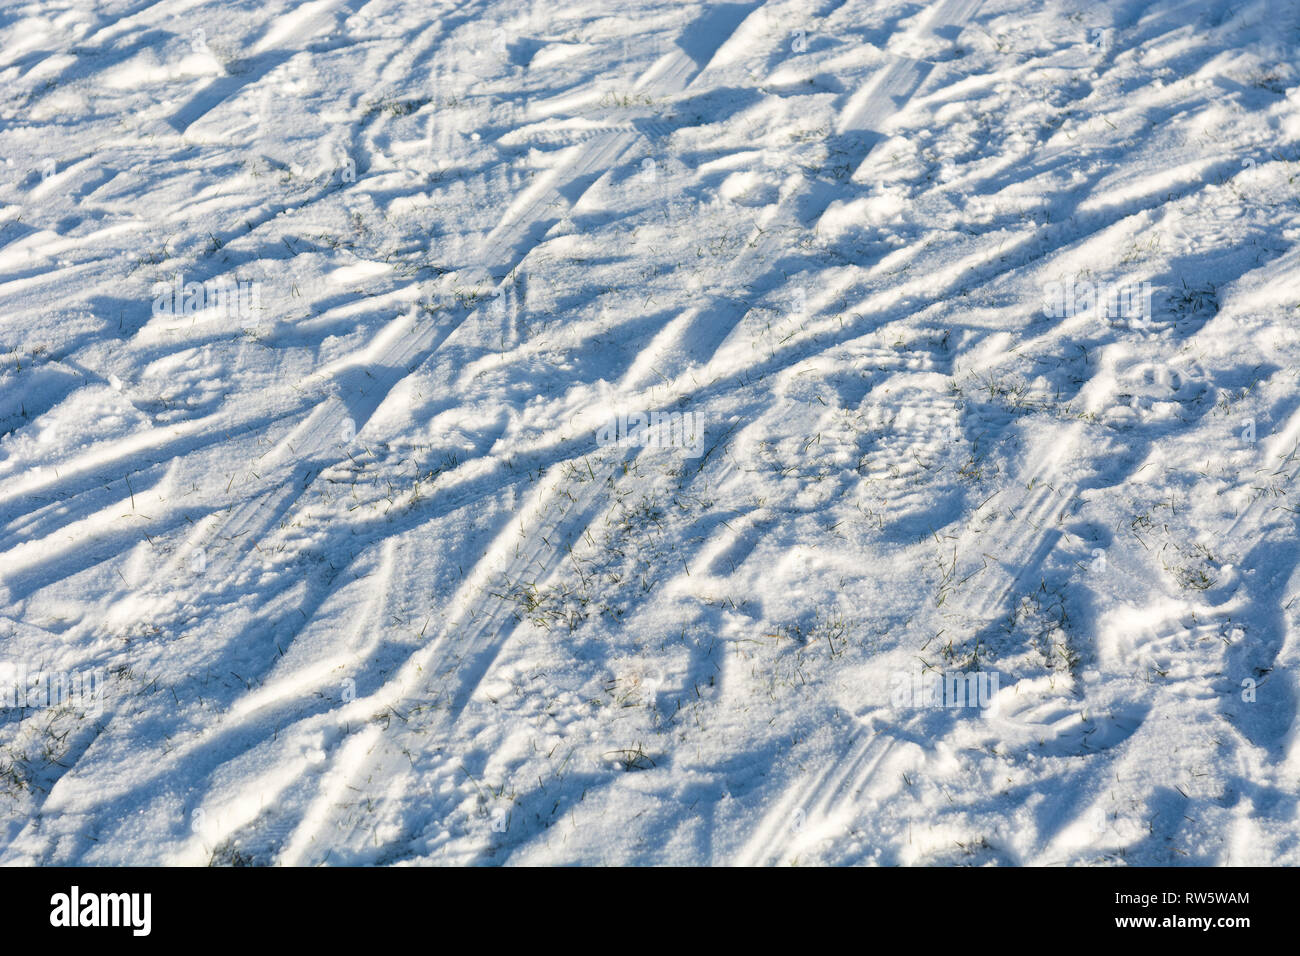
328 336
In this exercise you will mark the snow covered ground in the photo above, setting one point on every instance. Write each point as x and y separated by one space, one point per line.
966 527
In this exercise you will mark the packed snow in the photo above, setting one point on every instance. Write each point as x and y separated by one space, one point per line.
765 433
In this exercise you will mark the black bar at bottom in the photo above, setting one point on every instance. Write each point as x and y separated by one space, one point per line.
334 907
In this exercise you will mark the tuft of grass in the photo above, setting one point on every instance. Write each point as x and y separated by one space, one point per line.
228 854
632 758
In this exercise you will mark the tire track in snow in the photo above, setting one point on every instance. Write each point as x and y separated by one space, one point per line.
230 739
248 521
694 338
478 625
473 632
409 349
605 149
505 247
674 73
1002 560
818 807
